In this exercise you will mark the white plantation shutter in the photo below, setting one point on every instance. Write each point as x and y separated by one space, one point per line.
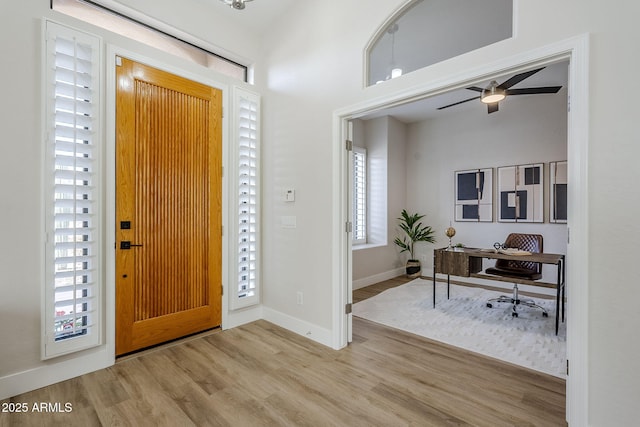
247 119
359 195
72 191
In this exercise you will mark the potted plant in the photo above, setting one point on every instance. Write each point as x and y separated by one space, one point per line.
414 232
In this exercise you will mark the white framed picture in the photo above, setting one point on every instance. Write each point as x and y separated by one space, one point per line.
521 193
474 195
558 179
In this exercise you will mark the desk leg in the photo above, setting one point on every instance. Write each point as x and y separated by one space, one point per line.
558 286
562 298
434 288
448 284
563 286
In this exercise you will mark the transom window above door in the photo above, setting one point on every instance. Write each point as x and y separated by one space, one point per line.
425 32
147 31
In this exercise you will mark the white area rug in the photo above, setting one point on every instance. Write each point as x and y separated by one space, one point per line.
465 321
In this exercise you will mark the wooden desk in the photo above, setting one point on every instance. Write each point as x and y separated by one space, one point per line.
467 262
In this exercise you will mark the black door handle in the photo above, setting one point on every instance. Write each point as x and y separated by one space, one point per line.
126 244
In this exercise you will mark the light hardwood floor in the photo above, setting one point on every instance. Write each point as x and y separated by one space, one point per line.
373 290
260 374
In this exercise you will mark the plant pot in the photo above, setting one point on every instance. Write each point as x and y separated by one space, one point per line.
413 268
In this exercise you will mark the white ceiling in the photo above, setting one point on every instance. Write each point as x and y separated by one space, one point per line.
258 16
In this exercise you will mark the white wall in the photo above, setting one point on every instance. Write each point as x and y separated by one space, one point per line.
20 205
385 139
309 65
527 129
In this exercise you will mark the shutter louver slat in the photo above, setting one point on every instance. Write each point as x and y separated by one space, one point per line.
72 245
65 262
68 191
68 61
77 93
72 300
66 47
79 163
62 232
67 175
73 217
67 274
67 104
72 119
73 134
66 76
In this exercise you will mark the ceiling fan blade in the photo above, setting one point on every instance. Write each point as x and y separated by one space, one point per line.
492 108
518 78
476 88
534 90
458 103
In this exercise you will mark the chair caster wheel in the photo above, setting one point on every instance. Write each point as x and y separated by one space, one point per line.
545 314
514 314
489 305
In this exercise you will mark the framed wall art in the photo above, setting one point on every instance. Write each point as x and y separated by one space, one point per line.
521 193
474 195
558 192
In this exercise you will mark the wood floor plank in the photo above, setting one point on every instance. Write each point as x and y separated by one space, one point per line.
263 375
198 405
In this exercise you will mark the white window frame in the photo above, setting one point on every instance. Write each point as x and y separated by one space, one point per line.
70 168
360 196
246 242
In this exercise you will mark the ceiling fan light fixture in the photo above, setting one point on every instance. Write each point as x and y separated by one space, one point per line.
492 94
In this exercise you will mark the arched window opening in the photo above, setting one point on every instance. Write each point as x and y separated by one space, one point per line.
425 32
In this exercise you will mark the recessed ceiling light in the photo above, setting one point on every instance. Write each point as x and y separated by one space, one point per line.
236 4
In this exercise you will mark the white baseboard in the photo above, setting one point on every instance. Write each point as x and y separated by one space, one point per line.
242 317
301 327
54 372
377 278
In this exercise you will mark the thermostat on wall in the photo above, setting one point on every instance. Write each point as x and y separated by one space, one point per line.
290 195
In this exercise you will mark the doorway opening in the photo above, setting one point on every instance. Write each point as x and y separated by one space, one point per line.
575 51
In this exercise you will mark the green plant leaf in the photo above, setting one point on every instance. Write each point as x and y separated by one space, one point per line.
414 230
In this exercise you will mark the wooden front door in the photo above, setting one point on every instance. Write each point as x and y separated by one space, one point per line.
168 207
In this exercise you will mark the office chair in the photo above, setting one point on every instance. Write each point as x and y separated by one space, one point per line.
519 270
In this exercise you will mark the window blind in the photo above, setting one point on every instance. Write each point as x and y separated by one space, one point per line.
247 119
359 195
72 220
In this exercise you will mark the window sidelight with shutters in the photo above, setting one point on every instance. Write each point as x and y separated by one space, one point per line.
72 279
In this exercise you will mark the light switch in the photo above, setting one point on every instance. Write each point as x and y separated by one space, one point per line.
288 221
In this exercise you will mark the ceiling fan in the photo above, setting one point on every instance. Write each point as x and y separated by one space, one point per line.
495 92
